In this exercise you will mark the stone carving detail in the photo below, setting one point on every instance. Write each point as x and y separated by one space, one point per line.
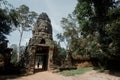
43 26
41 39
42 30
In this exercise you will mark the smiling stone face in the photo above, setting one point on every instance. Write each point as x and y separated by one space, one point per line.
43 24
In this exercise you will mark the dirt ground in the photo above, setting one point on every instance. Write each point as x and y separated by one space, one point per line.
47 75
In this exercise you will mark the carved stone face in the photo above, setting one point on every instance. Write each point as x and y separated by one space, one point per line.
43 26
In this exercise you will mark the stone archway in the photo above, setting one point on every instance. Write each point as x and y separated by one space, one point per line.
41 45
41 58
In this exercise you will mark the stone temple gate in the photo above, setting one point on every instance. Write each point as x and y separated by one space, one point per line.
41 48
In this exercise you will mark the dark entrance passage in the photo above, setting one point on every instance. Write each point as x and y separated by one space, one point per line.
41 58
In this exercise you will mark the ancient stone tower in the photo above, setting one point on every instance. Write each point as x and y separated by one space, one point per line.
41 46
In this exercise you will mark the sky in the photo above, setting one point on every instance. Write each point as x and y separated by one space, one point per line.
56 9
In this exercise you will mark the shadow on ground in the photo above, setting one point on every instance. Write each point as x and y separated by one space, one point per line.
9 74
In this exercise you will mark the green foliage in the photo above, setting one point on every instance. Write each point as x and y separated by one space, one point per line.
4 24
22 49
113 29
5 21
93 29
84 13
101 28
23 19
62 51
14 53
75 72
71 33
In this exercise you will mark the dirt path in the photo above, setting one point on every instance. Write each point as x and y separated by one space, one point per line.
94 75
91 75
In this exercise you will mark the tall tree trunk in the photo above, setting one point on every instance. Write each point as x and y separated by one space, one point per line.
21 34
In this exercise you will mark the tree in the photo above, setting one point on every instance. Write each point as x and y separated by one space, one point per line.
5 20
70 33
113 29
14 53
100 20
4 25
94 15
24 20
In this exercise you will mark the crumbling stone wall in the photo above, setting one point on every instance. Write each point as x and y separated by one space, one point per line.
42 37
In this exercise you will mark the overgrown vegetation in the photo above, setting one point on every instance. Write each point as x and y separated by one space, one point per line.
93 29
21 19
24 20
5 20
